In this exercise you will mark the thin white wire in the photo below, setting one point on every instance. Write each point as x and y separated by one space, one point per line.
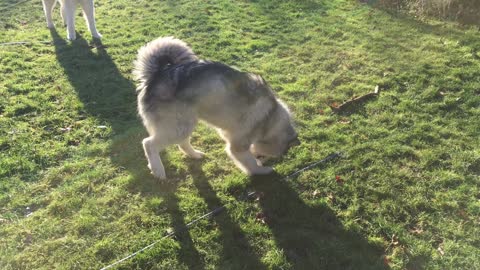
14 4
218 210
25 43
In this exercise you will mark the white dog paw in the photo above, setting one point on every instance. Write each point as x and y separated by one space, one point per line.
196 154
50 25
72 37
97 35
157 172
261 171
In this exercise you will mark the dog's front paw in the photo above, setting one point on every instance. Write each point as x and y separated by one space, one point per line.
50 25
196 154
97 35
261 171
71 37
158 172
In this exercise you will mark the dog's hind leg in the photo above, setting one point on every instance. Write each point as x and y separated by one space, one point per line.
89 15
64 16
152 147
188 150
48 6
69 13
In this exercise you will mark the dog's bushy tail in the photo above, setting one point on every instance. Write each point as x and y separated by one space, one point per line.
157 55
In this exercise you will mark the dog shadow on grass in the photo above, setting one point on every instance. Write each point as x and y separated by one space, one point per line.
311 236
187 252
105 93
237 253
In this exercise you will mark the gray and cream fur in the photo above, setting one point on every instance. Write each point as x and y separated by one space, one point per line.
176 89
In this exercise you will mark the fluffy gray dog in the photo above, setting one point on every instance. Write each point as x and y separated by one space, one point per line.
176 89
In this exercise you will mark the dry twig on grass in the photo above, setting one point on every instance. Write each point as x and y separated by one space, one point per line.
349 105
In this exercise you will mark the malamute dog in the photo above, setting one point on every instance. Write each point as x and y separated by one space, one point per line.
176 89
68 15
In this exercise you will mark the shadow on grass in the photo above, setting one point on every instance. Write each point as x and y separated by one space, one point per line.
413 28
104 92
312 237
237 252
464 12
187 254
110 97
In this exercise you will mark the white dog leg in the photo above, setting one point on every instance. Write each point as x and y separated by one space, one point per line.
188 150
151 146
69 13
64 16
48 8
247 162
89 14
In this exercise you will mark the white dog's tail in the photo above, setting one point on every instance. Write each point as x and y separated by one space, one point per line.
157 55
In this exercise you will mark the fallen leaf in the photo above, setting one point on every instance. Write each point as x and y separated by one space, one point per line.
331 197
339 180
316 192
169 231
395 241
28 239
440 249
386 261
463 214
416 230
321 112
73 142
328 122
344 121
261 217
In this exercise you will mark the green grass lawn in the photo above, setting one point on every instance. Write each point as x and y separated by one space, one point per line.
75 191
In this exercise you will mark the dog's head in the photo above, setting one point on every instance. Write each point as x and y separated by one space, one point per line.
279 135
